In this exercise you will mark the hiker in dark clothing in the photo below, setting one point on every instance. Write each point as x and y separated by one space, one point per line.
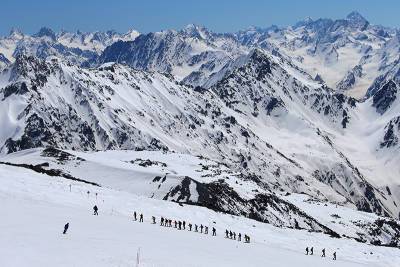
234 236
95 209
312 251
201 228
323 252
334 255
190 227
170 223
141 217
184 225
306 250
214 232
66 228
175 223
226 233
248 239
134 216
239 237
230 234
180 225
206 230
162 221
154 219
196 228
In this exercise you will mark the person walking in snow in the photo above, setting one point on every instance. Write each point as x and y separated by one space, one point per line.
226 233
196 228
334 255
162 221
154 219
180 225
141 217
170 223
312 251
239 237
201 228
66 228
214 231
230 234
306 250
95 210
206 230
175 223
323 253
184 225
190 227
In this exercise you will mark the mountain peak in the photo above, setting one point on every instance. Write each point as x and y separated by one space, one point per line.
355 15
15 32
356 19
304 22
194 30
46 32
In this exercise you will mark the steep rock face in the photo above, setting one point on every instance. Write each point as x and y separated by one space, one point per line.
391 133
350 79
385 96
4 62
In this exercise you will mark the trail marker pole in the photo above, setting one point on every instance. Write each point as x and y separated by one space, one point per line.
138 257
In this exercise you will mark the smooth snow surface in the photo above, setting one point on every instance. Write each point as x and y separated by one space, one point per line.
37 207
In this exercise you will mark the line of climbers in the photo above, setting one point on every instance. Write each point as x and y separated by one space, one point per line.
311 252
180 225
232 235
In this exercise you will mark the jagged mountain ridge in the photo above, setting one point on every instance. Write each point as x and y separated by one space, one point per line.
347 54
77 47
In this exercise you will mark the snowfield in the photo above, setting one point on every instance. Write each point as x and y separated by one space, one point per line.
37 206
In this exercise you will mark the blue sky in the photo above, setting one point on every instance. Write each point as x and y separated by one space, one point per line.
148 15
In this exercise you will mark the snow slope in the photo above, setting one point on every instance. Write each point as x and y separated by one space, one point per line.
37 207
163 176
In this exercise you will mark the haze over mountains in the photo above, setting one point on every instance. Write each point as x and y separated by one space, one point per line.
258 115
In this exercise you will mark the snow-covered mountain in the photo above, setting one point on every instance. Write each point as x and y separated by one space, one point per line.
252 118
348 54
192 54
77 47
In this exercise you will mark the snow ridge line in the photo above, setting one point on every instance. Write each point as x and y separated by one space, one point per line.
52 172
